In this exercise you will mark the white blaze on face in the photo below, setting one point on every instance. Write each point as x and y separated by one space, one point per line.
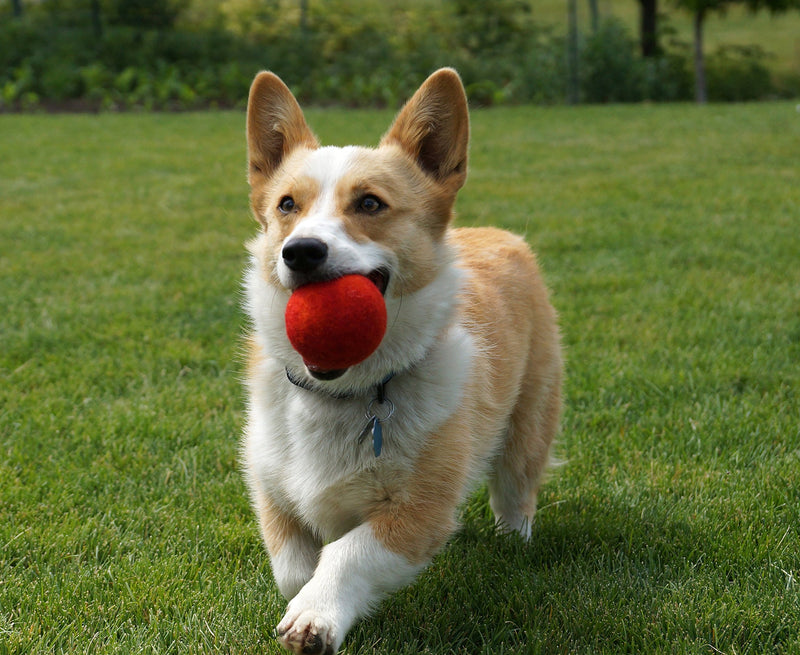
327 166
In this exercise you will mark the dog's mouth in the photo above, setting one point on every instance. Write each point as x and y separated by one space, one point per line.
323 375
380 278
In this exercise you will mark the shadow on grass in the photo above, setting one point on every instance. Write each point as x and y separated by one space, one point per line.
593 576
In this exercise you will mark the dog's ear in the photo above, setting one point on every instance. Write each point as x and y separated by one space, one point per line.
433 127
275 125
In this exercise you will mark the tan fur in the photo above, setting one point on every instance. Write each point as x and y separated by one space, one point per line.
506 305
277 526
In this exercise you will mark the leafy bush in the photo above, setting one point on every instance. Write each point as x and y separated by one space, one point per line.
667 78
787 85
612 70
18 88
542 76
123 68
736 73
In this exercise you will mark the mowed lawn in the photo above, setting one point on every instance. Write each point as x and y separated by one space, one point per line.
670 237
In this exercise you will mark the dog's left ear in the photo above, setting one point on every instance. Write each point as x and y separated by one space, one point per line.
275 126
433 127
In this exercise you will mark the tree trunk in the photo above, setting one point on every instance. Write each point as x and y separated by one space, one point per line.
701 94
648 28
17 4
304 16
594 14
97 23
573 82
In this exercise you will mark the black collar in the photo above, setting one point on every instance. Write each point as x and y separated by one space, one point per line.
380 388
375 420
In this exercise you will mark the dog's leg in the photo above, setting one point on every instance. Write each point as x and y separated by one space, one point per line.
402 532
293 550
353 574
518 469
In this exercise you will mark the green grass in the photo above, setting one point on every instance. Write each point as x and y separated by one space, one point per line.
670 238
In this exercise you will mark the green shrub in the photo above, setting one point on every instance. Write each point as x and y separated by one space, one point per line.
787 85
18 84
610 70
18 39
543 71
667 78
61 80
737 73
613 71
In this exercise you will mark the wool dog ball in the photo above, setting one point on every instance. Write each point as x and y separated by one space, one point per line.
337 323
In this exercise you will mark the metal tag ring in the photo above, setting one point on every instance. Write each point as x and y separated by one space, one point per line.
371 412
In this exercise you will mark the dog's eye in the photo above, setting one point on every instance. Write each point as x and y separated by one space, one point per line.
286 205
370 204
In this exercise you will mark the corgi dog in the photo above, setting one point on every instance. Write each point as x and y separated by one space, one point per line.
465 384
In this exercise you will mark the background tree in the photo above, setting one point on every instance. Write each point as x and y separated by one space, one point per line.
146 14
648 28
700 10
97 21
573 84
594 15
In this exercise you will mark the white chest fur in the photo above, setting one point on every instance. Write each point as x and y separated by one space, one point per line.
304 445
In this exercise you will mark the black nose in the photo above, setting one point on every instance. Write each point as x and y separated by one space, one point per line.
305 255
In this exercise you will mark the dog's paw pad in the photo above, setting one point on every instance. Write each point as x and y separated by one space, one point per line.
306 635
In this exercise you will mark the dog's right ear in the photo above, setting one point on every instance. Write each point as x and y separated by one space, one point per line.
433 128
275 126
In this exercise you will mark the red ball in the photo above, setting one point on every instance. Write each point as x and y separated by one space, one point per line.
337 323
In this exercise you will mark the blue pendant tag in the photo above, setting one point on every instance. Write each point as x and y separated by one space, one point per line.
379 409
377 437
375 430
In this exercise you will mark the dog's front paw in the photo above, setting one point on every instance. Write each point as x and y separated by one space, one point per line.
307 632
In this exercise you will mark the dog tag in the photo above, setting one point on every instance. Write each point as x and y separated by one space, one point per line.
379 409
375 430
377 437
